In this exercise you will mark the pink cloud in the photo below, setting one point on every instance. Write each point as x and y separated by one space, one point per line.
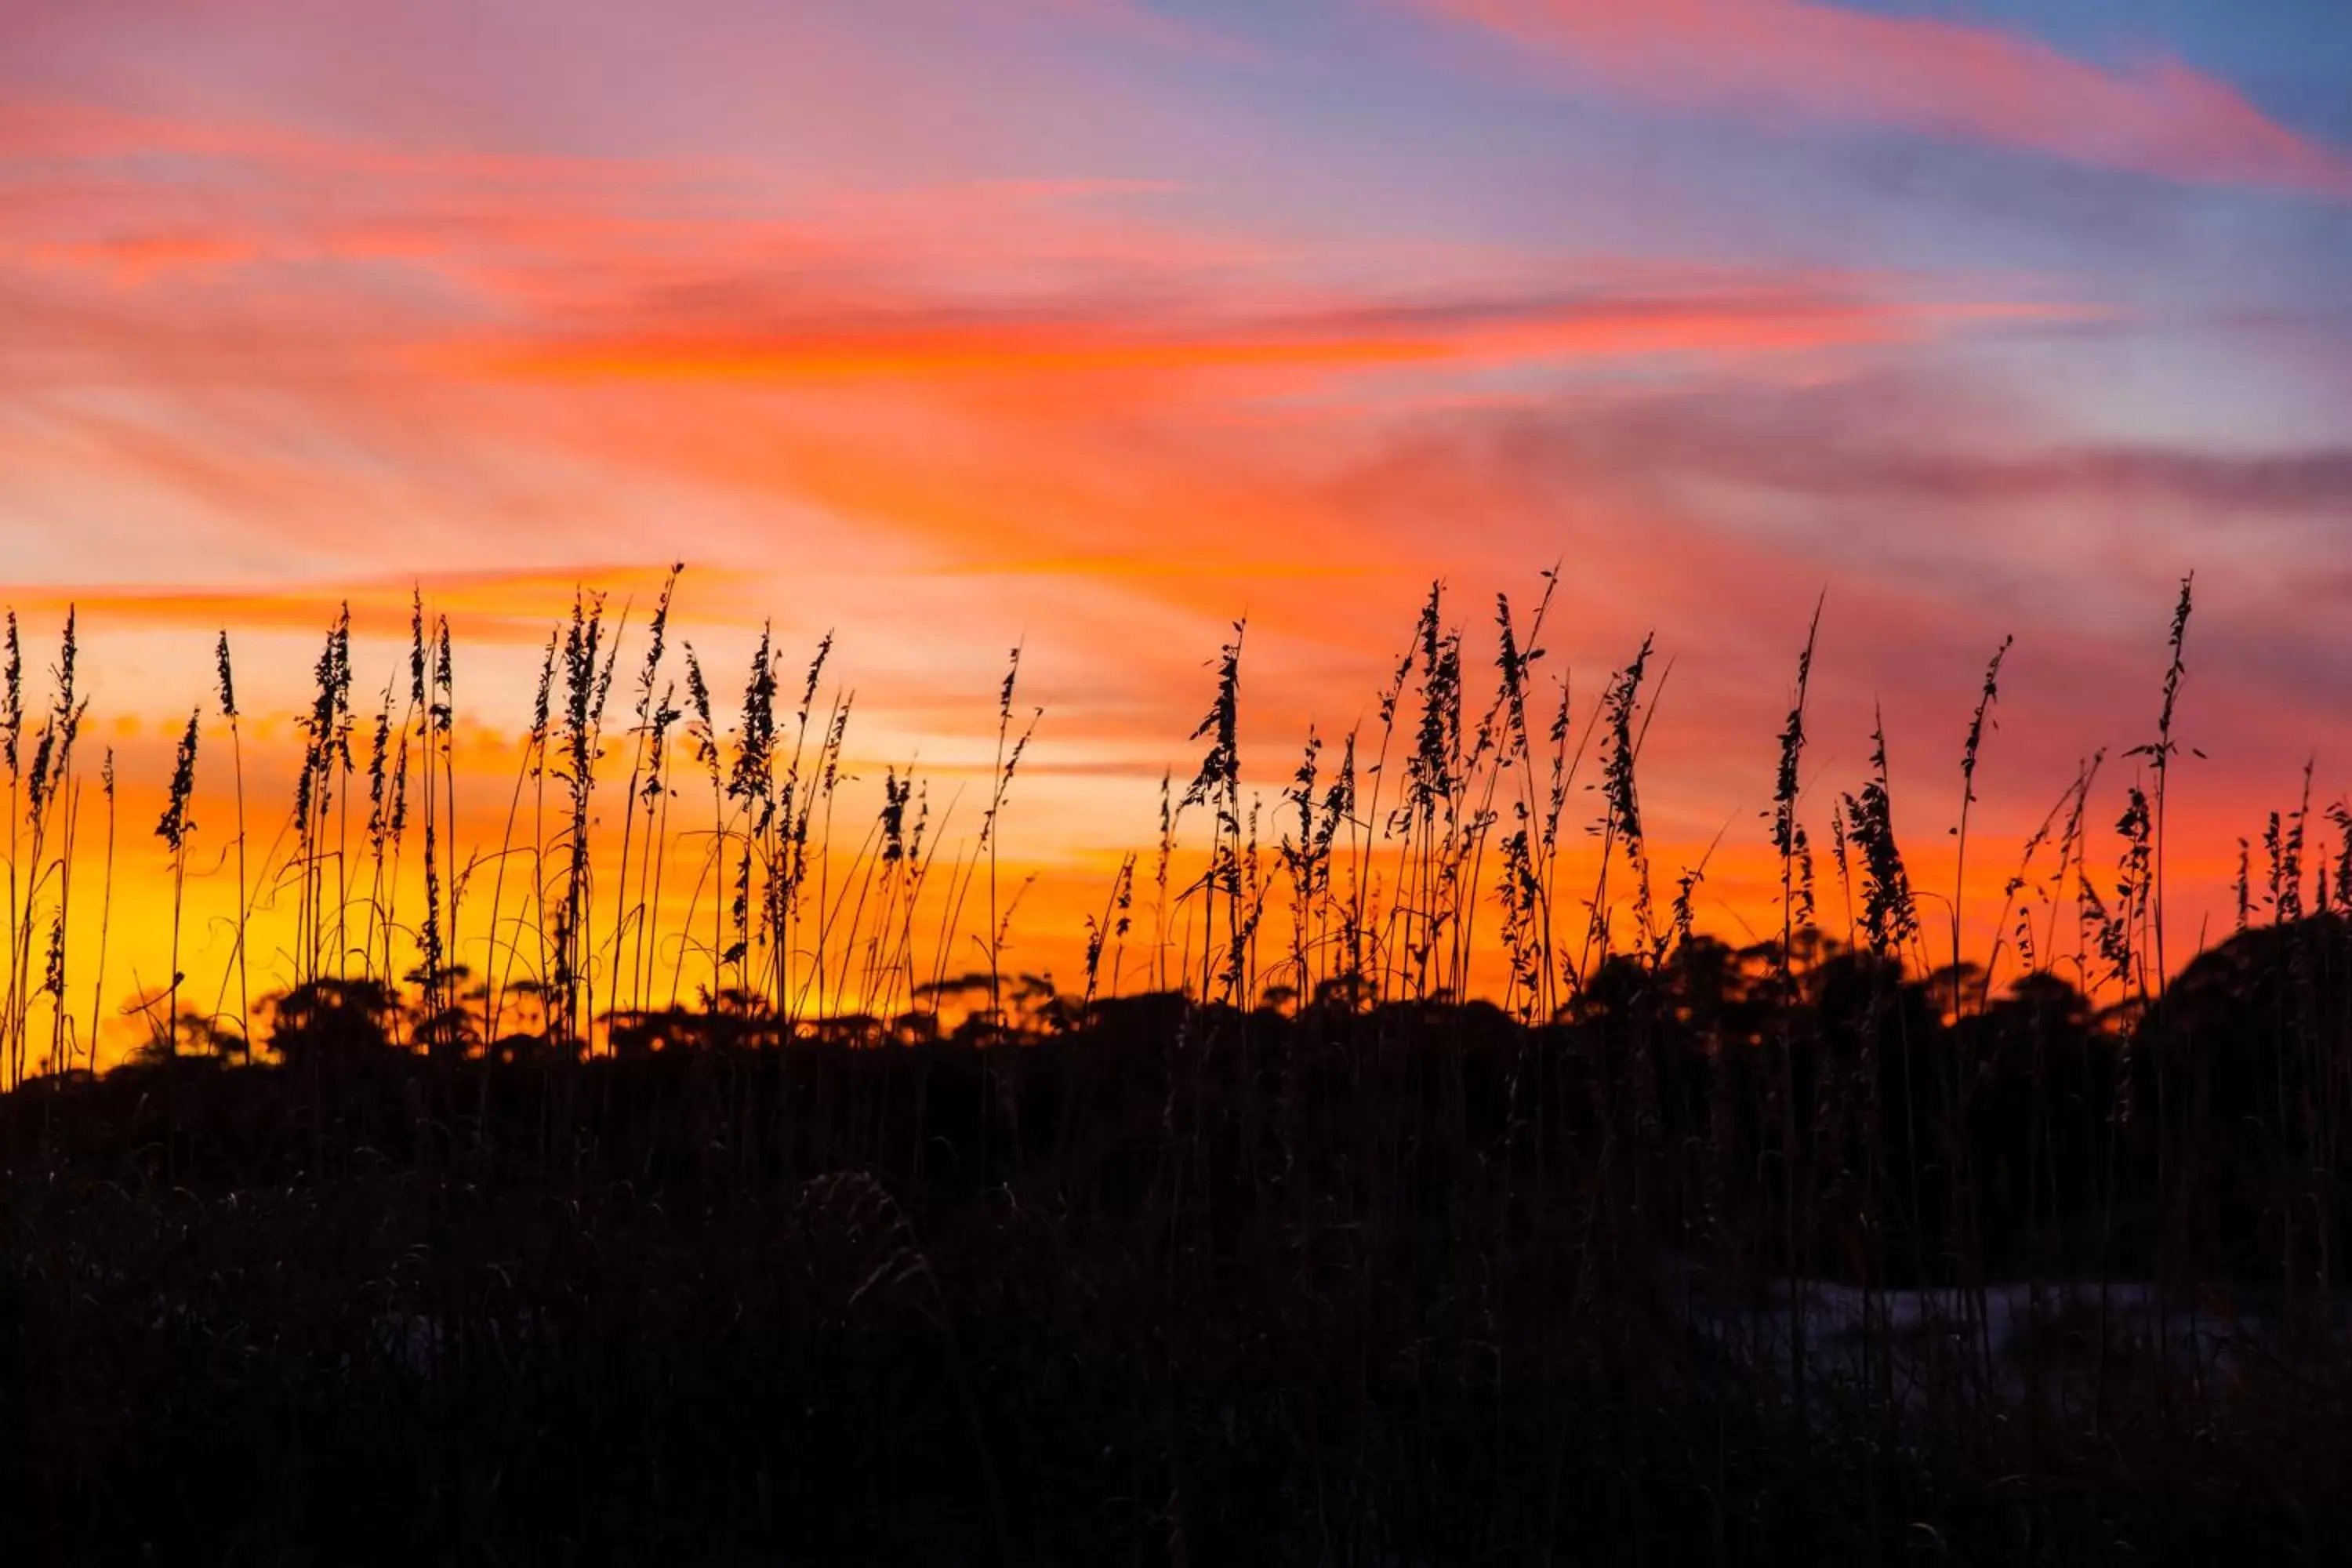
1138 23
1807 59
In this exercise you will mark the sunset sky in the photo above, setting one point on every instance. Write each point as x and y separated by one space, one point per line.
1095 326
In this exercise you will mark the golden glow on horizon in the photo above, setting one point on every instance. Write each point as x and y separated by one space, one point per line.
1051 879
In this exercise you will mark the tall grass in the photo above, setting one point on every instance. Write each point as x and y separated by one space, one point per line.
227 676
1365 1172
1435 875
1428 864
46 846
173 827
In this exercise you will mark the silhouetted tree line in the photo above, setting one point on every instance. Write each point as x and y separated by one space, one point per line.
1942 1132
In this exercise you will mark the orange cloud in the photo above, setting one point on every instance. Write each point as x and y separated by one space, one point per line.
1818 61
916 341
138 257
500 605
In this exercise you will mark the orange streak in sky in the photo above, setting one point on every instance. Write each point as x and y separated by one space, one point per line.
1360 338
489 604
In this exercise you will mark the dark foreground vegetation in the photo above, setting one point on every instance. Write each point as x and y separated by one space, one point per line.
734 1227
1181 1283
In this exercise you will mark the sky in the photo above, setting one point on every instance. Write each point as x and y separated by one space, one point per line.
1095 325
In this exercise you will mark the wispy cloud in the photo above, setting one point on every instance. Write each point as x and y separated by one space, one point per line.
412 343
914 340
488 605
1808 60
1137 22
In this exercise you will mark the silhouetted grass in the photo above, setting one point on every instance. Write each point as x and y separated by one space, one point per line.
1364 1233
